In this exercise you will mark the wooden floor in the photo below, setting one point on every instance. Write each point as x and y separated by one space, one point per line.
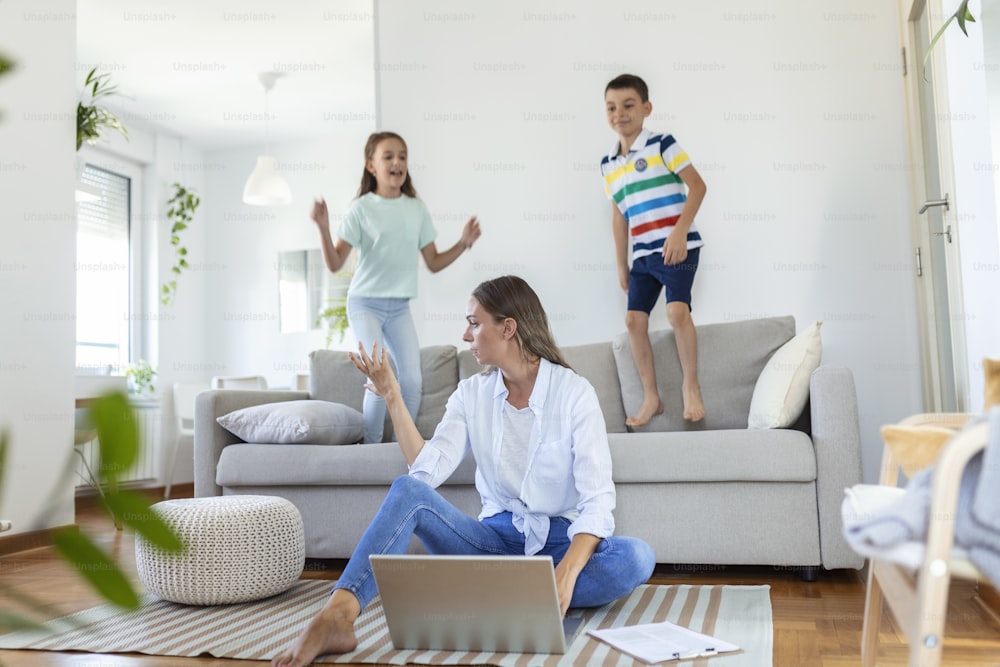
814 623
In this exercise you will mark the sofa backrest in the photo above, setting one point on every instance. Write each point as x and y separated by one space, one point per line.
333 377
731 356
595 361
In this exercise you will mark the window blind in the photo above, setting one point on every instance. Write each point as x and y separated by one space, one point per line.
107 217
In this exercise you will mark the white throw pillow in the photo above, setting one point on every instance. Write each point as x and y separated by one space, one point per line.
783 386
296 423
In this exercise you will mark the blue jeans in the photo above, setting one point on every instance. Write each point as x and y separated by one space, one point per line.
387 322
412 507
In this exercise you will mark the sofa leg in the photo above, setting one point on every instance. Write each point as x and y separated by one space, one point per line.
808 572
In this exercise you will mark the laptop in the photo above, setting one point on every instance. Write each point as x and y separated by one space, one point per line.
505 604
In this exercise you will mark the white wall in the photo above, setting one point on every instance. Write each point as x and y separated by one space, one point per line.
792 112
37 255
241 317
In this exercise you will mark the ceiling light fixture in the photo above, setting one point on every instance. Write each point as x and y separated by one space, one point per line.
266 186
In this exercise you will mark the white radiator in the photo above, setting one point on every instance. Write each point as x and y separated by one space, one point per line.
147 415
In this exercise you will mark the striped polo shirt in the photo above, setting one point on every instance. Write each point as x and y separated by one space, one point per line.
647 190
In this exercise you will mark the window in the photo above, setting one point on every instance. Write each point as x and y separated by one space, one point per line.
103 273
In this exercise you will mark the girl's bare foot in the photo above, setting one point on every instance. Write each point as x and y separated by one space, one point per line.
694 407
650 408
331 631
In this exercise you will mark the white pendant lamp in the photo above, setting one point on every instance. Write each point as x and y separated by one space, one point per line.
266 186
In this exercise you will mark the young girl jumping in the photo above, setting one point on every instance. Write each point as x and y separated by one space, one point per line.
387 223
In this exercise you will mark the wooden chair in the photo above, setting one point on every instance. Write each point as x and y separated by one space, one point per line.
913 578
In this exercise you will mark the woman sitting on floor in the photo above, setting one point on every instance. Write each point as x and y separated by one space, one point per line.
543 470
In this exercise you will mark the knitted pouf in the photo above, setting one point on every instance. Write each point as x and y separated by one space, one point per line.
237 548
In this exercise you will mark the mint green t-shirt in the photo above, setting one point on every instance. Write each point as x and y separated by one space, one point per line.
388 233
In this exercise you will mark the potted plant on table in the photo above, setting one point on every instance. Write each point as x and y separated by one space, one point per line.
140 377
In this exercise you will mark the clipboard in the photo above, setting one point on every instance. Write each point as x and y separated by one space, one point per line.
662 642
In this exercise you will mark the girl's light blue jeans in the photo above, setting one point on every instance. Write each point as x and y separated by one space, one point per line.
412 507
387 322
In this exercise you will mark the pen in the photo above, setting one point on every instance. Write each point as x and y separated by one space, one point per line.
695 654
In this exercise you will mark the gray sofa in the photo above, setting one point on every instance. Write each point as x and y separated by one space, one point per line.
706 493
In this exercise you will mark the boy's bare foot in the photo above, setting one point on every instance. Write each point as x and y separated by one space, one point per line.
649 409
326 633
694 407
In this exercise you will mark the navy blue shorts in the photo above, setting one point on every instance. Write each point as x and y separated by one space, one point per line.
649 274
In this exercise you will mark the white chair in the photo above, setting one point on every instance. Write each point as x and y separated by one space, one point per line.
184 395
239 382
913 578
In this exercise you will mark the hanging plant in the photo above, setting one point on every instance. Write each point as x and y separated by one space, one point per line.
90 118
183 205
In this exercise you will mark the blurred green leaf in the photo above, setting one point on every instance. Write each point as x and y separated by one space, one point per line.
3 453
96 567
9 621
135 512
117 434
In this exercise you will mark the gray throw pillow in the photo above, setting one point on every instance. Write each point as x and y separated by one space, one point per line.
296 423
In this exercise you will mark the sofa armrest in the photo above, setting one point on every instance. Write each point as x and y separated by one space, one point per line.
210 438
836 436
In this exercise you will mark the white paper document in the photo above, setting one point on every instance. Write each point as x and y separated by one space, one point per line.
660 642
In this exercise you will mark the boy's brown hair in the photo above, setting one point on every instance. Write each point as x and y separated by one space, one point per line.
623 81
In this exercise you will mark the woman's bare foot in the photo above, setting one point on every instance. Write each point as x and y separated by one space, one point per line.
694 407
650 408
331 631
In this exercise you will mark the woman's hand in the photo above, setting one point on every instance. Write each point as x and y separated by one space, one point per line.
319 214
565 584
381 380
471 232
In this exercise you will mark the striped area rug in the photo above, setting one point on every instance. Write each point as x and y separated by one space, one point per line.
257 630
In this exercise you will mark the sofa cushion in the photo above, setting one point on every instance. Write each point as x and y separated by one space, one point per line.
467 365
782 389
439 368
296 422
731 356
333 377
360 465
734 455
596 362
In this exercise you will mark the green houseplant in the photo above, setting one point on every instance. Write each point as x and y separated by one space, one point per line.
183 205
140 375
118 436
91 118
334 316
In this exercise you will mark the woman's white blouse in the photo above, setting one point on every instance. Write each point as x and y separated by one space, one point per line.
569 462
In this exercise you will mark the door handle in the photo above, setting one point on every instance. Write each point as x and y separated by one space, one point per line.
946 233
934 202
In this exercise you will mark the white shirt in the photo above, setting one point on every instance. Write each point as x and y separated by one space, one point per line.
569 461
514 448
